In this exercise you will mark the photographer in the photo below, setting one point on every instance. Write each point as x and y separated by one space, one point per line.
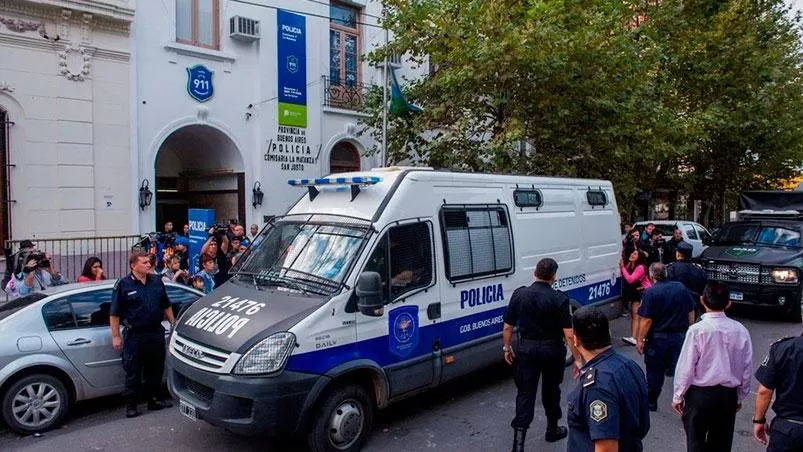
217 247
37 274
656 248
15 262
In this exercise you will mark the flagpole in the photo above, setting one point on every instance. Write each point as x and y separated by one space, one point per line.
384 100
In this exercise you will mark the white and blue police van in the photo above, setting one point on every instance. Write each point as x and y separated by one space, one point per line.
378 285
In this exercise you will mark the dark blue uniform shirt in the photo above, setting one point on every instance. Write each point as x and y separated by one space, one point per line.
540 312
688 274
781 371
139 305
610 402
667 304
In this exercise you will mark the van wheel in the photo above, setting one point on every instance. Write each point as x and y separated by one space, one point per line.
34 404
342 421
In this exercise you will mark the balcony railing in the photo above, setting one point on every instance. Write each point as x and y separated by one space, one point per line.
347 96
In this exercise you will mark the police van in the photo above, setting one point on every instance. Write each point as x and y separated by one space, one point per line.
378 285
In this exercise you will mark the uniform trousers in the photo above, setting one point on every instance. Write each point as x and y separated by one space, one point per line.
661 354
536 359
143 359
785 436
709 415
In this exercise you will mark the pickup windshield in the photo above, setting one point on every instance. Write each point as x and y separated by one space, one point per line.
303 256
757 234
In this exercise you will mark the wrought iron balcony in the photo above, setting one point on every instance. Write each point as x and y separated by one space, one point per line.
348 96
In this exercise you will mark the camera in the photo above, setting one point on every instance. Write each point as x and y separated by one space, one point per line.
219 227
41 261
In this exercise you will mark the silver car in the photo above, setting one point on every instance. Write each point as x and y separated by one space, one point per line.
56 349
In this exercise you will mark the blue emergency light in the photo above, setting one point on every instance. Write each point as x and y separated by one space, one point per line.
354 182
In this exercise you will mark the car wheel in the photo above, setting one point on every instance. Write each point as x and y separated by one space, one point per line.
36 403
343 420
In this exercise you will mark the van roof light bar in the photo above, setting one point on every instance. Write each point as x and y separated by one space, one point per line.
354 182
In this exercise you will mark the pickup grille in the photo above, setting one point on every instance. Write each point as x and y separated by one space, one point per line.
736 272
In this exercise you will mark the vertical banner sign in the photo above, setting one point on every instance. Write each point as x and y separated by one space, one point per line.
292 67
200 221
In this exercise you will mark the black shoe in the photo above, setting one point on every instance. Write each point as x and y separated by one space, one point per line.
156 405
131 411
519 434
556 434
653 406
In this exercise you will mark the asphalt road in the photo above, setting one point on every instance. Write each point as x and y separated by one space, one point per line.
471 414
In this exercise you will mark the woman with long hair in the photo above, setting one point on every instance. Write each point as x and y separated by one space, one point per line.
93 270
635 280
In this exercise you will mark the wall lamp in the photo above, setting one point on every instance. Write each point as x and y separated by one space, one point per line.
258 195
145 195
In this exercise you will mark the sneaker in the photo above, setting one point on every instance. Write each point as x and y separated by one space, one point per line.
556 434
131 411
629 340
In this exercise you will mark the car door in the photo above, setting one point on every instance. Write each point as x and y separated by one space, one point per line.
404 258
79 323
705 236
693 238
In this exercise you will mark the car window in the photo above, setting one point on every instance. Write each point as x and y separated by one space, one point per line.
408 265
58 315
180 295
91 309
690 232
704 235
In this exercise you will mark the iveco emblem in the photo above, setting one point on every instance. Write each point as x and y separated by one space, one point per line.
192 352
734 273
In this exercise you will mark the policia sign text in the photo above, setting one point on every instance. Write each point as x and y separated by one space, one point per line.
232 315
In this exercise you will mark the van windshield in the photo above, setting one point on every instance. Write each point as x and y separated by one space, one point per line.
758 234
303 256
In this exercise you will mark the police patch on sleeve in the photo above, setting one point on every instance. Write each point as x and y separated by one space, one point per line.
598 410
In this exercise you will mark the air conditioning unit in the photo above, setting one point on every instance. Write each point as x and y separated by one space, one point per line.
243 28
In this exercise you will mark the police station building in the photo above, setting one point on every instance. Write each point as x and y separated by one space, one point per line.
233 99
119 115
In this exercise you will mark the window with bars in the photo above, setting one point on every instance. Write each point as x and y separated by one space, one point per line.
344 45
477 241
197 23
403 259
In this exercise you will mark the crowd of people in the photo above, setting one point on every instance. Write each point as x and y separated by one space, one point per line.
30 270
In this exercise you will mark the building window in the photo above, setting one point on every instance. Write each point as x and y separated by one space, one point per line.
403 258
344 158
477 242
344 45
197 23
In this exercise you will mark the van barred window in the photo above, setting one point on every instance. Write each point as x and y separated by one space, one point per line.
477 241
403 259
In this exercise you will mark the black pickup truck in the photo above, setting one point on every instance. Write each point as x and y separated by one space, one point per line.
759 256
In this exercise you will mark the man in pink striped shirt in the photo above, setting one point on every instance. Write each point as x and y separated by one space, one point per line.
713 374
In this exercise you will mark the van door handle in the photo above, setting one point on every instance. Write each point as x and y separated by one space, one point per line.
79 341
434 311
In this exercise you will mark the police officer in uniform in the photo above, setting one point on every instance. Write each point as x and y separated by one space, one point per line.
684 271
543 317
139 304
609 406
781 372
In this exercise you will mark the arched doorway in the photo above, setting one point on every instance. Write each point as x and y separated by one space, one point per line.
344 158
198 166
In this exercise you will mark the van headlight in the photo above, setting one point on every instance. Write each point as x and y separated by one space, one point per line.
784 275
267 356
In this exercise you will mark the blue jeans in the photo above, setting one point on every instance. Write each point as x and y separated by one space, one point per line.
661 353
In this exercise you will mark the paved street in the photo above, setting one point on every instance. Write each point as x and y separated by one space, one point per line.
472 414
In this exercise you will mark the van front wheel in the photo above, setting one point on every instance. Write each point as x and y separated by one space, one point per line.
343 420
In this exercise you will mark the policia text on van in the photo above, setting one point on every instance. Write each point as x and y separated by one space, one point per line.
378 285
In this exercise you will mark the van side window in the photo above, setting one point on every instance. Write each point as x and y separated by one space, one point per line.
477 242
403 257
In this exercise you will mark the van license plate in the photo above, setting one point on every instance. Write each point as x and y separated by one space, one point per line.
737 296
187 410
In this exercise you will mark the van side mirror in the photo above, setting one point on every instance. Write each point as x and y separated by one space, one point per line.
369 294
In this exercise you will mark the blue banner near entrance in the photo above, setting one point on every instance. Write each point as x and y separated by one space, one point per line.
292 68
403 329
199 83
200 221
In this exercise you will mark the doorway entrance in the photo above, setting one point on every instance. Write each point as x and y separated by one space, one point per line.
198 166
344 158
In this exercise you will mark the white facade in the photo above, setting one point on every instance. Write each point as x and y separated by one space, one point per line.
64 95
204 146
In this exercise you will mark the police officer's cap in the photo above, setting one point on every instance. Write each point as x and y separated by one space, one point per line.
685 249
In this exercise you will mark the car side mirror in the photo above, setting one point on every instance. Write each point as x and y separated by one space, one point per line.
369 294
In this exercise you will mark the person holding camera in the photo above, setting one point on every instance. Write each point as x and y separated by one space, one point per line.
37 274
217 247
656 248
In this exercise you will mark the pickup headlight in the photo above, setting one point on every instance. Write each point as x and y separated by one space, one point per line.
784 275
267 356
